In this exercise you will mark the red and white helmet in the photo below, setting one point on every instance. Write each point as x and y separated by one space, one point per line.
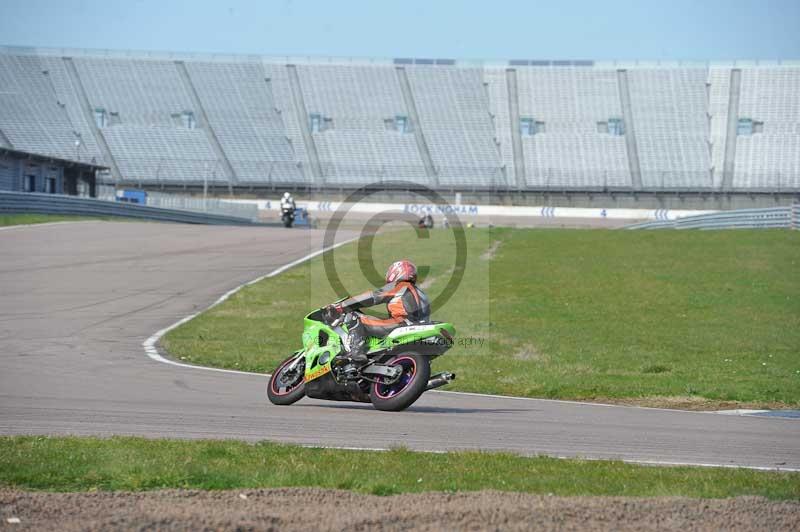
402 270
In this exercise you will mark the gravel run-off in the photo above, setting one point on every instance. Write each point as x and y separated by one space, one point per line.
318 509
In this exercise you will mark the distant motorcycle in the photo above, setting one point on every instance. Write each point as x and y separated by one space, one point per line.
426 222
287 216
397 373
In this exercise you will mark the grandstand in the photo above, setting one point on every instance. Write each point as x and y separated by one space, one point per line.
252 122
350 131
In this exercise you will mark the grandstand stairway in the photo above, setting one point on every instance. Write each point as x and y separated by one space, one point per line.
516 137
230 174
87 111
630 129
419 135
729 165
302 118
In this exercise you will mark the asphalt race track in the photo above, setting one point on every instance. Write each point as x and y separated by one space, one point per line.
77 301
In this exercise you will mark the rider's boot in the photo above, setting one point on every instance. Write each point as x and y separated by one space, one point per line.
357 359
356 354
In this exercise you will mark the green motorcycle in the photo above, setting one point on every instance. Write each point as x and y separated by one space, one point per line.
397 373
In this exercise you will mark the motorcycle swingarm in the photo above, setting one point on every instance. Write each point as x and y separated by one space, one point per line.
380 369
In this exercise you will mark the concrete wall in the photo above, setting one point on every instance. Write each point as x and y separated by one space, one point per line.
602 200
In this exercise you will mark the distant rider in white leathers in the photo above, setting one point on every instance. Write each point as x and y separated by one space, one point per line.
287 202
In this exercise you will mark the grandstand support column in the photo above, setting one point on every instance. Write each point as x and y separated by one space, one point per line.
305 128
88 114
630 129
419 134
729 164
222 157
516 137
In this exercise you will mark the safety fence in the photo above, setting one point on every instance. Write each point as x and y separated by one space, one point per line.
772 218
35 203
188 203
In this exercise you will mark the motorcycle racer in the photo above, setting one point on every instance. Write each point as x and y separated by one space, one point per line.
287 202
405 302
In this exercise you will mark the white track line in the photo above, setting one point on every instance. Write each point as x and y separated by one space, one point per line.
741 412
607 405
46 224
151 349
150 345
661 463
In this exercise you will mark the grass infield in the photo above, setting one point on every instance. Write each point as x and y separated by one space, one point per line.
685 319
134 464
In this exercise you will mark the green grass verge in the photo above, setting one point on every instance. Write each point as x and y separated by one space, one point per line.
662 318
80 464
27 219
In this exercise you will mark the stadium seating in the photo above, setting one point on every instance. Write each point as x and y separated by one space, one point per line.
143 101
162 154
253 121
770 158
31 116
357 105
670 115
140 92
238 102
454 114
571 151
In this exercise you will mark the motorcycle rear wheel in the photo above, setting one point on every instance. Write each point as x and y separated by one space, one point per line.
402 393
284 389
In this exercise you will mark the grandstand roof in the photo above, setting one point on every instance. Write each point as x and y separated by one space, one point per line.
39 158
317 60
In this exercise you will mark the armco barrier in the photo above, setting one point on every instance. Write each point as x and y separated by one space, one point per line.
464 210
188 203
34 203
656 224
773 218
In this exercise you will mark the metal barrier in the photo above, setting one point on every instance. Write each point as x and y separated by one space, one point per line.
655 224
35 203
772 218
188 203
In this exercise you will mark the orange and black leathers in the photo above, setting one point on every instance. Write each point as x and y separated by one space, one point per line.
405 302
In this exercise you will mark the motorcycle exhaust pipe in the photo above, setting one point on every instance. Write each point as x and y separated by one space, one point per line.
440 379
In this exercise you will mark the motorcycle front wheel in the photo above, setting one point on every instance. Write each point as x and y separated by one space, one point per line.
399 394
287 385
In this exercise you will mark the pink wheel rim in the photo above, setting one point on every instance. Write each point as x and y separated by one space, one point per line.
388 391
277 375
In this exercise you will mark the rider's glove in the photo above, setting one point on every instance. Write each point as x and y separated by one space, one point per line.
333 311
